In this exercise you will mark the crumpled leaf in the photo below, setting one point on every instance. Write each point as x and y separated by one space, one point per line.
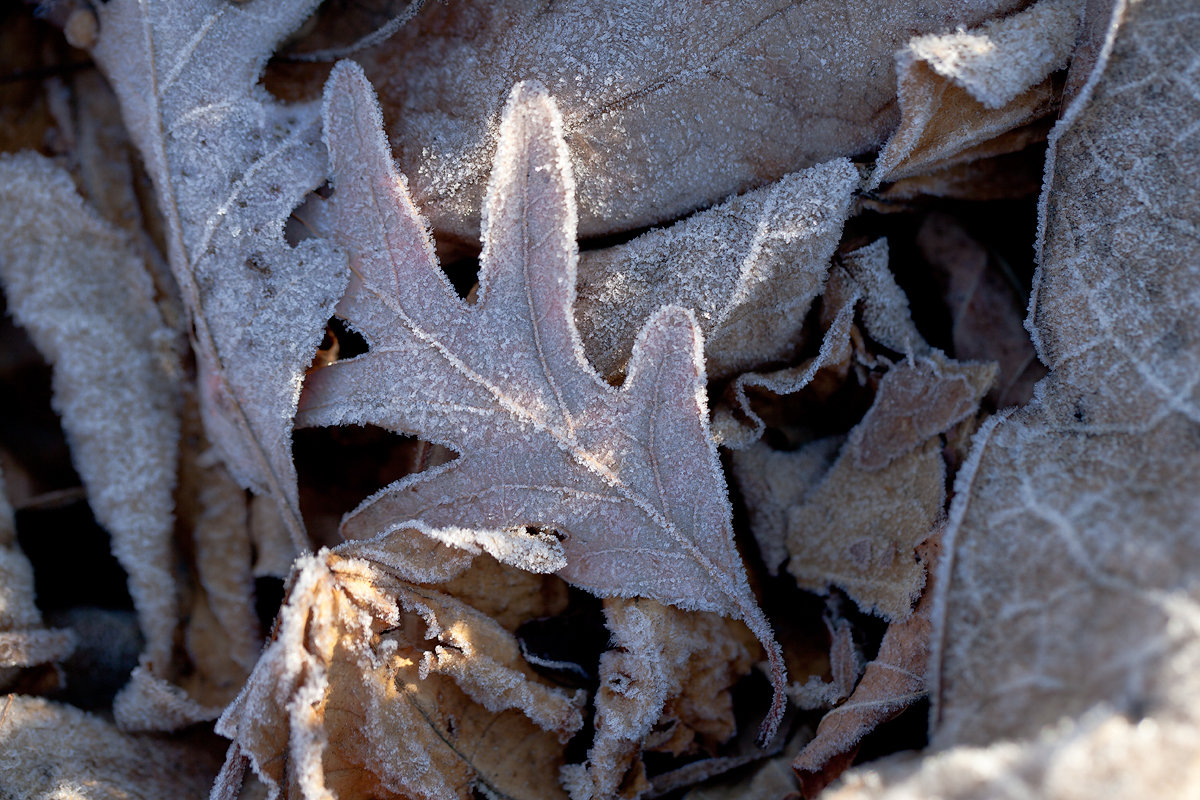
858 528
24 641
855 523
229 164
53 750
892 682
666 108
629 477
961 92
374 687
749 269
861 278
1072 535
664 686
845 668
78 286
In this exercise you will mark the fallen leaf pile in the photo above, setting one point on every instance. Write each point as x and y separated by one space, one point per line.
600 401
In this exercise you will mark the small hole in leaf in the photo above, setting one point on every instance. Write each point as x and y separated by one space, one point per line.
463 273
350 342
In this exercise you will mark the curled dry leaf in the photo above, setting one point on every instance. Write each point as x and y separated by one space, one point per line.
917 400
375 687
24 641
228 165
749 269
667 108
845 667
629 477
80 289
55 750
891 683
665 687
965 95
861 278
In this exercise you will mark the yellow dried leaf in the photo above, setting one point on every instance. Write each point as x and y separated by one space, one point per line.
374 687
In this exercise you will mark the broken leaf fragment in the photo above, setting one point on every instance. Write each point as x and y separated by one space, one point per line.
628 477
893 681
375 687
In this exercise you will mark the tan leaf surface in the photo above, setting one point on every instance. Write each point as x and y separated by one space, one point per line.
959 90
51 750
629 477
664 686
374 687
858 529
855 523
1069 638
916 400
667 108
749 269
228 165
1092 479
892 682
78 286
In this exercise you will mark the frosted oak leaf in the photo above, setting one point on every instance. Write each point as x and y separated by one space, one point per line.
628 477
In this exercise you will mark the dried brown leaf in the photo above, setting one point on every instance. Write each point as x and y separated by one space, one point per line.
667 108
960 90
374 687
891 683
917 400
749 269
858 529
228 165
629 477
664 686
52 750
79 287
